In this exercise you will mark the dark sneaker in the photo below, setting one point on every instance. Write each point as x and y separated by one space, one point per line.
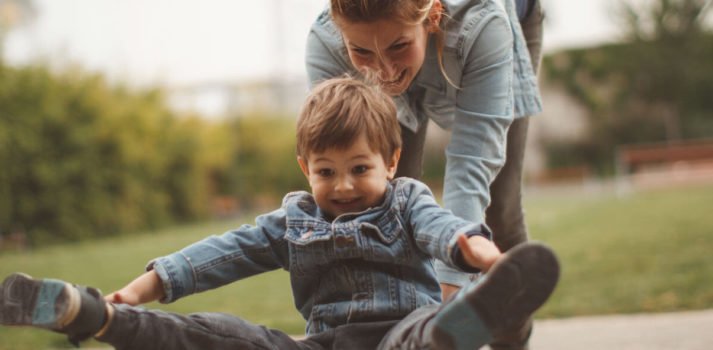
517 338
46 303
513 289
53 304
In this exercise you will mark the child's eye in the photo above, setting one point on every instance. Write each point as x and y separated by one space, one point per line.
360 169
325 172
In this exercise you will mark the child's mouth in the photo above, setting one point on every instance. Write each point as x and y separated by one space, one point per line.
347 205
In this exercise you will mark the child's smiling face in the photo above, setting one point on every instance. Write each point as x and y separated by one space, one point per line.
348 180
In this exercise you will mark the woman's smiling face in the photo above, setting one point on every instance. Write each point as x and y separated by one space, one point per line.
393 50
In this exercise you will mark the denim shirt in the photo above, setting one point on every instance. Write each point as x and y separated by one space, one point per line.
369 266
486 57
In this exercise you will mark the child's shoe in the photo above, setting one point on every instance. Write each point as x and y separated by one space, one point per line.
514 288
53 304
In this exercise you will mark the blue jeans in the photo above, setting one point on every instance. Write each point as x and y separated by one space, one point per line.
137 328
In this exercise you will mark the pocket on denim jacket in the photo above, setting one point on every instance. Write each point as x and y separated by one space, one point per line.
310 249
387 241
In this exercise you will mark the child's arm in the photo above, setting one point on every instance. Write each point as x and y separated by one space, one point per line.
144 289
478 251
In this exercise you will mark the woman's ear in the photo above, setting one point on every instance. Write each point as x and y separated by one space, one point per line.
392 165
434 16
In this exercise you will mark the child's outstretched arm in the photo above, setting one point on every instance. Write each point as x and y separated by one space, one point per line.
144 289
478 251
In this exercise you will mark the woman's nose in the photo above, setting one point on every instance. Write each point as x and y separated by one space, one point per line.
386 69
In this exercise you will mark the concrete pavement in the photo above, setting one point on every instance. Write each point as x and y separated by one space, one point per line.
690 330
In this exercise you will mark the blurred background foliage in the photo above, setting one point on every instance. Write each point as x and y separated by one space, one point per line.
81 157
653 87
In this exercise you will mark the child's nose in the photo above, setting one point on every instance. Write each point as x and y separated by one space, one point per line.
344 183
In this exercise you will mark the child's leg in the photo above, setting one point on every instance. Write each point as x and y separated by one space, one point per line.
517 285
52 304
82 312
514 288
136 329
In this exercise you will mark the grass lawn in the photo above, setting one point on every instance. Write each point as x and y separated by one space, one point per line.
645 252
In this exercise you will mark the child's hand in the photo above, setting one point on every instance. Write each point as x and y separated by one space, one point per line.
478 251
144 289
123 296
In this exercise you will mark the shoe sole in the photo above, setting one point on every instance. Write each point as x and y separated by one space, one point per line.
513 289
45 303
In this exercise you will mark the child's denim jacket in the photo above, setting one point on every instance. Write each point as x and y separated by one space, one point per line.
491 82
363 267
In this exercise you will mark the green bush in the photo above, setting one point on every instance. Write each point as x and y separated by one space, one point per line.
263 164
80 158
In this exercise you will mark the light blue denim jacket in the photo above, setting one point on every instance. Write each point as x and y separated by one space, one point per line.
486 56
369 266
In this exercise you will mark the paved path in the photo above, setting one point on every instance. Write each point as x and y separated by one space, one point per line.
691 330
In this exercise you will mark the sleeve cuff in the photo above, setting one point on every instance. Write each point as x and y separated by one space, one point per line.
457 254
449 275
176 276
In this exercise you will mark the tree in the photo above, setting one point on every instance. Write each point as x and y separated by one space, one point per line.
664 19
652 87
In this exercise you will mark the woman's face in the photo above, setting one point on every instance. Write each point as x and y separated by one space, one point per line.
393 50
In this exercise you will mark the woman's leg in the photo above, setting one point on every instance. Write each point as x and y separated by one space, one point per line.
411 161
505 215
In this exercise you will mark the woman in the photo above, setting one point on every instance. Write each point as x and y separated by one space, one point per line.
470 67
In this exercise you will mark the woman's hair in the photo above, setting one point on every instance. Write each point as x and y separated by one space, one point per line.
339 110
404 11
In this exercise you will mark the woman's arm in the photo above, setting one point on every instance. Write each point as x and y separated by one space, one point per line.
324 54
484 111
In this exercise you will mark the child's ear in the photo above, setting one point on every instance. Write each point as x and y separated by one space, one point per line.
303 165
392 165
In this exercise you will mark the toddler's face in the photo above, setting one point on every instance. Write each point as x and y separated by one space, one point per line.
350 180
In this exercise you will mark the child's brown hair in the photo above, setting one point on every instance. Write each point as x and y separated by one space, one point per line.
339 110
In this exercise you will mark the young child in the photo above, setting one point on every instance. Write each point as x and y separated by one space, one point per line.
359 250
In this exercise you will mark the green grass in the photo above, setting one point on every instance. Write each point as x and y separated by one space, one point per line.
645 252
109 264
